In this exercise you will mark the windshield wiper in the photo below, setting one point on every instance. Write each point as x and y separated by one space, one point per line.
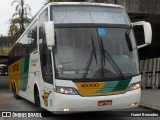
128 40
106 54
89 61
94 49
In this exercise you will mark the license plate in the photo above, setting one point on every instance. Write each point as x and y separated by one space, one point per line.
104 102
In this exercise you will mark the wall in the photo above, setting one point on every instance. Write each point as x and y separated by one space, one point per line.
141 6
6 43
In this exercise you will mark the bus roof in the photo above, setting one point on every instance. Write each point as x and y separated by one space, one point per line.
77 4
68 4
85 3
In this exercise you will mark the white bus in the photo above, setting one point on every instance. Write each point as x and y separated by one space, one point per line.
78 57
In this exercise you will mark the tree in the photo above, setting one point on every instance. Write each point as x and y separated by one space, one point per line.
21 15
15 25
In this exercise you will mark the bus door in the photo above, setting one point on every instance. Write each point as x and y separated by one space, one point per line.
47 75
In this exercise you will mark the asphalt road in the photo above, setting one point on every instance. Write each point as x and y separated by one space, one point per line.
9 103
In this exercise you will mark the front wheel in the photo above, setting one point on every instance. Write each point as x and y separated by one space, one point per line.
37 99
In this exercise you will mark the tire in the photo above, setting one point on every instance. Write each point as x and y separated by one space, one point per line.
37 99
15 92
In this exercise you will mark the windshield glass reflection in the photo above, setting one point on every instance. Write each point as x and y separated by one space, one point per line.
94 53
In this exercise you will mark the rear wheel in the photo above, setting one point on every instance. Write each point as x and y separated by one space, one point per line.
15 92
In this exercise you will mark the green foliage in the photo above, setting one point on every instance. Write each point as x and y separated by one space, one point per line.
20 17
13 24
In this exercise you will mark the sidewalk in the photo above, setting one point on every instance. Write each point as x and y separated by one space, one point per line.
150 98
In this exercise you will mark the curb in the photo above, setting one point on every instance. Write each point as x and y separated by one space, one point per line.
150 107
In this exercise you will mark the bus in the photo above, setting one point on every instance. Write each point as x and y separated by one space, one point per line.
77 57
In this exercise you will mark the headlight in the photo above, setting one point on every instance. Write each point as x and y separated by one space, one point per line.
134 86
66 90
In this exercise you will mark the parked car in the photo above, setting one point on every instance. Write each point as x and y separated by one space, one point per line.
3 69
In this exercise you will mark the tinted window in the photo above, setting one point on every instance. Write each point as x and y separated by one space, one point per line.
32 37
43 18
46 66
45 56
26 44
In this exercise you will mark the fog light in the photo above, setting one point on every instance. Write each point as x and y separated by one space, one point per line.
65 110
133 104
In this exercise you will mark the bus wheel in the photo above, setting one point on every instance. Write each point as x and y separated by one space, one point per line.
14 92
37 98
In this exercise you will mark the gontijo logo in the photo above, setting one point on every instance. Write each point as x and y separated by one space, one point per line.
90 85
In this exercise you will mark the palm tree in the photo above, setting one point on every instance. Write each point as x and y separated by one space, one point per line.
22 10
13 25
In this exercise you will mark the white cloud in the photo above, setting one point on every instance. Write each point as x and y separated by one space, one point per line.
6 12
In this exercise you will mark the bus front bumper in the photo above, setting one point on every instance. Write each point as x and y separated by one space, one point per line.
77 103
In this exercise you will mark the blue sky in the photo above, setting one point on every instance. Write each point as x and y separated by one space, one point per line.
6 12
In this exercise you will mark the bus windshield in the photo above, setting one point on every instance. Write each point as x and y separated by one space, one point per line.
88 53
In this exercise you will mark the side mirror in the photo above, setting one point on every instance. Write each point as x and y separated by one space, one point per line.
147 32
49 32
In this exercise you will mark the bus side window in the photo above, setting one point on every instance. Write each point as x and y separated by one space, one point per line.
32 37
46 62
43 18
45 56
